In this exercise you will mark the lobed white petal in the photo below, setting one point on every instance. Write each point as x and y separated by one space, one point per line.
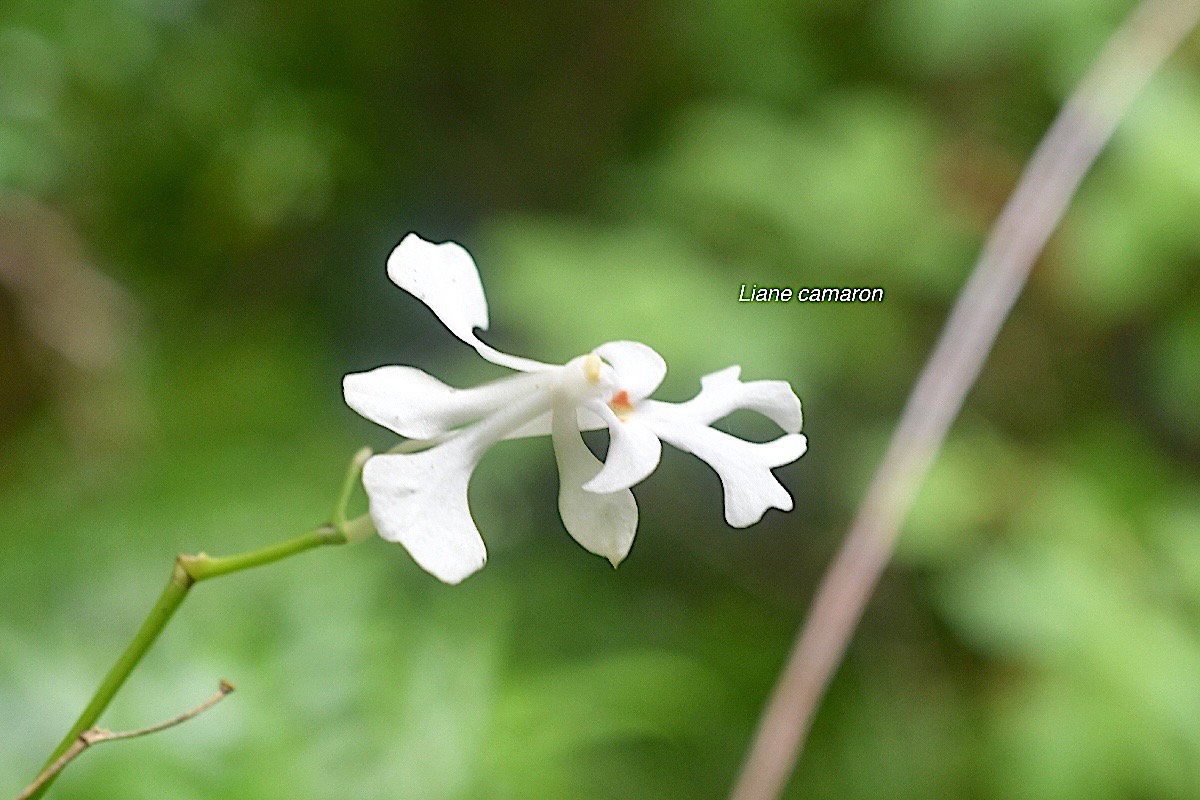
639 368
602 523
444 277
723 392
633 453
743 467
419 406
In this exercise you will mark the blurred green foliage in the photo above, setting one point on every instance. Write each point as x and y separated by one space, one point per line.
196 201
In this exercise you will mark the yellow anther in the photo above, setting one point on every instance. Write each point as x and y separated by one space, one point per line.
591 367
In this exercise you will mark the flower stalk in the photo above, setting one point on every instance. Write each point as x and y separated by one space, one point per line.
192 569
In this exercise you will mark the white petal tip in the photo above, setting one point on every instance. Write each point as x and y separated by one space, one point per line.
443 277
797 448
450 573
457 577
746 522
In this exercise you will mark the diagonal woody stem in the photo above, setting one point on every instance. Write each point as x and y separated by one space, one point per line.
1137 49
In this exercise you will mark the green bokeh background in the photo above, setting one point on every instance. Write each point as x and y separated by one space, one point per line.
196 203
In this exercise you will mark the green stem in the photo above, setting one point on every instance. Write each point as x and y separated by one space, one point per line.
170 599
202 567
188 571
353 476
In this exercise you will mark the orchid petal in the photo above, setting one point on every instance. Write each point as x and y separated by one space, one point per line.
723 392
420 501
444 277
639 368
633 453
603 524
419 406
744 467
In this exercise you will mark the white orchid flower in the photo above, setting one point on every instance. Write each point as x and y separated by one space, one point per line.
419 499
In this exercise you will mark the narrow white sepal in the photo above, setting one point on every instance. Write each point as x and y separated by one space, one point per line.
419 406
603 524
444 277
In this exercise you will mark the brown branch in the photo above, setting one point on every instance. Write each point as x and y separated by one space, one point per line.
97 735
1137 49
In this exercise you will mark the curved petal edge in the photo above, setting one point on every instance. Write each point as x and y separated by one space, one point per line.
420 501
445 278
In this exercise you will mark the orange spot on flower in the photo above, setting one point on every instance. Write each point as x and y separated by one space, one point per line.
620 403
